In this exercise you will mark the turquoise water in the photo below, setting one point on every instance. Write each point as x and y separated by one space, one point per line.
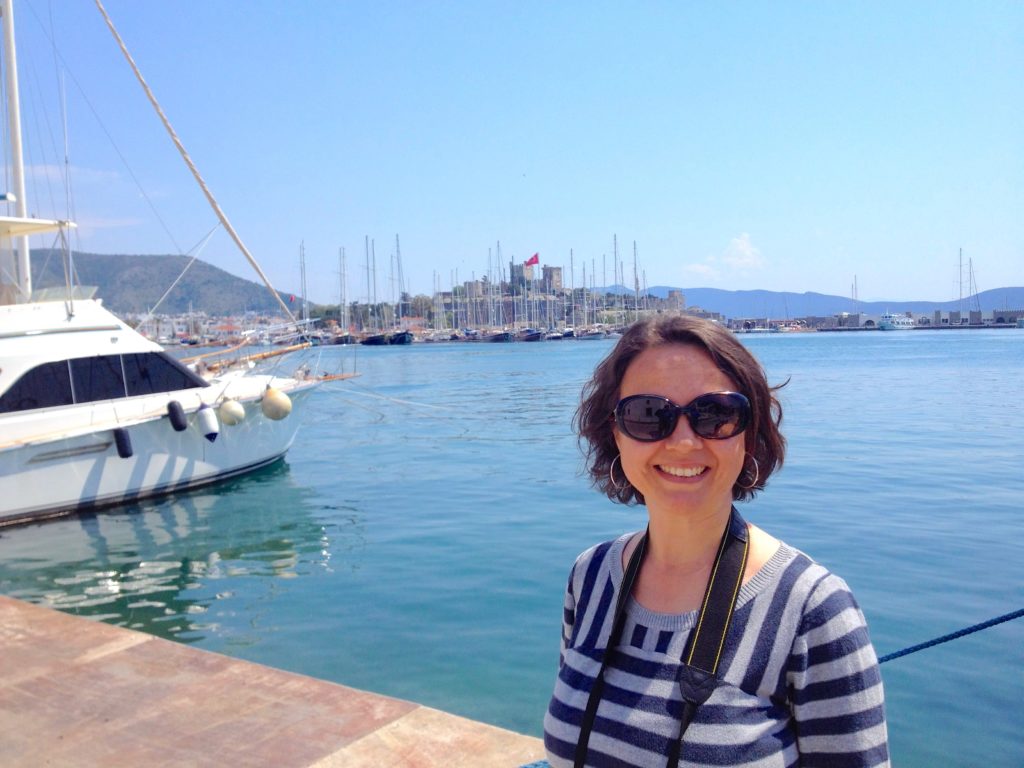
417 541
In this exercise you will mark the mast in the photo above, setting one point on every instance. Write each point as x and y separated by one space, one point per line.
972 286
398 258
584 293
636 287
572 285
369 295
960 274
23 265
302 281
343 314
376 308
604 281
617 269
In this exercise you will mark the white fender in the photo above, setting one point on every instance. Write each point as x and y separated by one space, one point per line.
208 425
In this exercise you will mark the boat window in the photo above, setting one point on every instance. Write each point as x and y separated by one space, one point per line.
97 378
44 386
151 372
104 377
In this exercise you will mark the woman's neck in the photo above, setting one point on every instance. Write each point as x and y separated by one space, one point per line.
686 541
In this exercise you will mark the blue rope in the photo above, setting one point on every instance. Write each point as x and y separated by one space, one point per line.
953 635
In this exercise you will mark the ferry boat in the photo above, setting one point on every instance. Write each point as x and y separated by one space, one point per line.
891 321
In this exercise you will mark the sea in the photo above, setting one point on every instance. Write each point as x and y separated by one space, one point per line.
417 539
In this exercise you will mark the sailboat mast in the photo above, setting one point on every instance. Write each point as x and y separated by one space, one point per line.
960 274
636 287
23 263
398 258
302 280
369 295
343 314
376 309
572 285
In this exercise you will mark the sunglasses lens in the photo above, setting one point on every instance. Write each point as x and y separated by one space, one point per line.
714 416
646 418
719 415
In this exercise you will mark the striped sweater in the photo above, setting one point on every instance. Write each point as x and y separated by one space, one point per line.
800 684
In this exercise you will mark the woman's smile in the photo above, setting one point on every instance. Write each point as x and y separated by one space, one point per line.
683 472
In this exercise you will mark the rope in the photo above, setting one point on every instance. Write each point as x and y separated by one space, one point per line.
953 635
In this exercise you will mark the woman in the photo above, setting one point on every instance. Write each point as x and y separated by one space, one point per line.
680 418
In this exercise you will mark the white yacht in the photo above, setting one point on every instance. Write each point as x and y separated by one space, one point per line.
92 412
890 321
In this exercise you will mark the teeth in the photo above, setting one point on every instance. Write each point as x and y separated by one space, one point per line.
683 471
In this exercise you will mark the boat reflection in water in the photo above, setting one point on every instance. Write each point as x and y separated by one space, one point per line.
204 566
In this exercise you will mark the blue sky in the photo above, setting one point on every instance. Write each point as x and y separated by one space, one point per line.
783 146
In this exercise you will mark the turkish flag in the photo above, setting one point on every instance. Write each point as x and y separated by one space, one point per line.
535 259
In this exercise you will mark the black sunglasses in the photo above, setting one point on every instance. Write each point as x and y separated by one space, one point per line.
714 416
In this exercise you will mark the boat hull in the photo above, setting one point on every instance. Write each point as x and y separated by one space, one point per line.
49 478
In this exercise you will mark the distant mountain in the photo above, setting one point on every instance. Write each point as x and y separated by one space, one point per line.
133 284
782 304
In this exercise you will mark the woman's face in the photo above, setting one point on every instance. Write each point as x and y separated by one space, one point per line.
683 473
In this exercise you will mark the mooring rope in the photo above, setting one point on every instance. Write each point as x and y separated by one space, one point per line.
953 635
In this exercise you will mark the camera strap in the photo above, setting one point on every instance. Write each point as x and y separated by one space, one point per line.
697 679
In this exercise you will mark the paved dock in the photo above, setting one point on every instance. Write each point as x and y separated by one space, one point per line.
76 692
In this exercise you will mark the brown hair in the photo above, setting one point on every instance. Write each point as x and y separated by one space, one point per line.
765 445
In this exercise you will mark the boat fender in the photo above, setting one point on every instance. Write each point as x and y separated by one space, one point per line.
177 416
208 425
275 404
124 443
231 412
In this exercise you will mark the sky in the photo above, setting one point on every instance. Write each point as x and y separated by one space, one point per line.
787 146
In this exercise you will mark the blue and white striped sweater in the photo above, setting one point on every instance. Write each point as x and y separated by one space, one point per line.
800 680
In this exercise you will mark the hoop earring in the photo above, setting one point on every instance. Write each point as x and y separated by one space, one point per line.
757 474
611 473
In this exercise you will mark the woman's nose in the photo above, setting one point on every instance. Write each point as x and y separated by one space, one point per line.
683 435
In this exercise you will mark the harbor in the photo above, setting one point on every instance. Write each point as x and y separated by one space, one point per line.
240 526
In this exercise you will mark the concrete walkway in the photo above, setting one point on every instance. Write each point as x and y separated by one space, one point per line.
76 692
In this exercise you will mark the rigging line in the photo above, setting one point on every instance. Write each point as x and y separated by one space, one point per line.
953 635
188 161
110 137
399 400
198 248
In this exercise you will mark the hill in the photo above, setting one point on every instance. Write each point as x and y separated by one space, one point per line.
133 284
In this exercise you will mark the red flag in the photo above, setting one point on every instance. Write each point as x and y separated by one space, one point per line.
291 299
535 259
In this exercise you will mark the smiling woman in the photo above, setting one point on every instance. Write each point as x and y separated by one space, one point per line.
704 639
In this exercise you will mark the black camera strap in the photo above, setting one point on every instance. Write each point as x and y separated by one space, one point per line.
703 651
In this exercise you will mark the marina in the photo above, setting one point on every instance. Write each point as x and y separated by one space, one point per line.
416 540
